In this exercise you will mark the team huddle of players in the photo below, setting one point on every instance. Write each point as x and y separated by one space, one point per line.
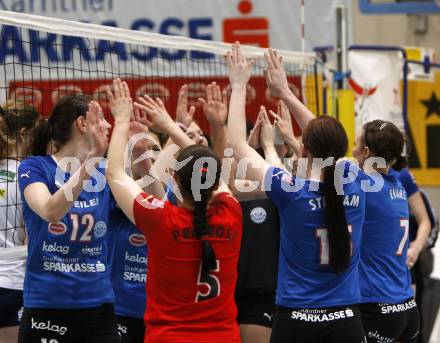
97 234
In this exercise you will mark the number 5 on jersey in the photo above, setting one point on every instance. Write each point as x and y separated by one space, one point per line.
208 287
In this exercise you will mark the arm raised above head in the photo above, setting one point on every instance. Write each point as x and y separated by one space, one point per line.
276 80
124 188
240 70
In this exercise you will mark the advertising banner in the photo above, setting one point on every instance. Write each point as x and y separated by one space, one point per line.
375 80
254 22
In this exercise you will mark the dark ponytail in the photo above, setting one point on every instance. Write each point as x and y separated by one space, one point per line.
385 140
400 163
203 174
338 235
202 228
41 138
325 137
57 129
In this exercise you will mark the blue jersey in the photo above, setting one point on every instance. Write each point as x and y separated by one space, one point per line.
406 179
305 278
127 265
384 275
66 266
409 183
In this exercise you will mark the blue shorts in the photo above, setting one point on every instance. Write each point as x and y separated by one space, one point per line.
11 302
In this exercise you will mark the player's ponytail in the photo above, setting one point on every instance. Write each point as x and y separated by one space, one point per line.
57 129
41 138
325 137
191 176
385 140
338 234
203 229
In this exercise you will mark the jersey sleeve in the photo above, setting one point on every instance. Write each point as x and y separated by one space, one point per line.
280 186
408 182
228 201
30 171
148 212
169 192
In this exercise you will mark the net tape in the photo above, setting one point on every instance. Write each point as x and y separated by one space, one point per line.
149 39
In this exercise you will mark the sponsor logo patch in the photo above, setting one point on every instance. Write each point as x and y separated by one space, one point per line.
60 249
57 228
100 229
258 215
321 315
48 326
137 240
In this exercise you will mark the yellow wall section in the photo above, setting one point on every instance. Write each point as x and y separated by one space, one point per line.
418 91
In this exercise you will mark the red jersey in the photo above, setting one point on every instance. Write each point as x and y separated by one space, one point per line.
182 306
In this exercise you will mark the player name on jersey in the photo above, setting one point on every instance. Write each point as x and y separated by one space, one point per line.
397 194
351 200
86 203
219 232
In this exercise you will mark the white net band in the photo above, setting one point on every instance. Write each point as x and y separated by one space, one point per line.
99 32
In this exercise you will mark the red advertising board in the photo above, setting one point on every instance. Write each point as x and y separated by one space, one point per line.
43 94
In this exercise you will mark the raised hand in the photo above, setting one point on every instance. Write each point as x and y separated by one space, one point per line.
254 136
275 74
140 116
266 134
98 128
283 122
137 127
215 106
183 115
240 69
120 100
156 115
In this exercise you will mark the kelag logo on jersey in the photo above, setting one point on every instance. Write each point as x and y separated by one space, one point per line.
137 240
57 229
100 229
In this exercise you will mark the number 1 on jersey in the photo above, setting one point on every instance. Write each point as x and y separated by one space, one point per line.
322 235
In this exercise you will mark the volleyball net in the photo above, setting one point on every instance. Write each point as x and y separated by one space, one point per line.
43 59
